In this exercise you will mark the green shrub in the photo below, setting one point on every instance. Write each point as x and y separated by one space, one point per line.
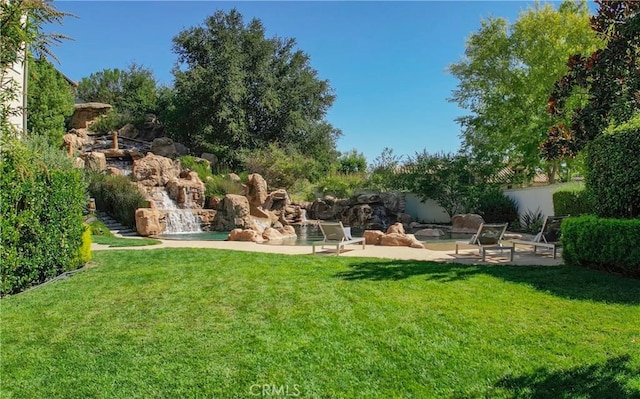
109 122
41 207
118 196
531 221
201 166
84 252
613 174
574 202
606 244
219 185
341 185
495 207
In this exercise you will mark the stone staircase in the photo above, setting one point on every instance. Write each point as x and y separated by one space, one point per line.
114 226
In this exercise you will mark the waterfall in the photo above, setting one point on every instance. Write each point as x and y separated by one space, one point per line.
178 220
303 217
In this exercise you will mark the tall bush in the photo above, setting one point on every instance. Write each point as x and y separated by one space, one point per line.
613 174
118 196
496 207
41 207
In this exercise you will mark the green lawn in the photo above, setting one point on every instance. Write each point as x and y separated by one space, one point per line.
186 323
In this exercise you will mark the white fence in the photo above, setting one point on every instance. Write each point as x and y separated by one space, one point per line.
529 200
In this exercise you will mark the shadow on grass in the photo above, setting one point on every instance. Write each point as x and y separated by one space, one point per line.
605 380
564 281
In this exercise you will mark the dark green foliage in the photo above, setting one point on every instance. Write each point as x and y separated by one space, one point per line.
118 196
132 92
237 90
495 207
109 122
613 174
608 78
41 211
50 101
574 202
606 244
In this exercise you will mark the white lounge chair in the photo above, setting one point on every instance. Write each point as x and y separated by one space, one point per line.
488 238
548 237
336 234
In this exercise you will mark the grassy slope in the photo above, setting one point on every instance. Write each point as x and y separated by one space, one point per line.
208 323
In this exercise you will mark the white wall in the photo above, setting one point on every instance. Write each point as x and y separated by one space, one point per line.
530 199
16 73
428 212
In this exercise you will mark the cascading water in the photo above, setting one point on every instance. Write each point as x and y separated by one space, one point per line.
178 220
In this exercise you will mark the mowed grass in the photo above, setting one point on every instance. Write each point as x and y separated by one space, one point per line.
191 323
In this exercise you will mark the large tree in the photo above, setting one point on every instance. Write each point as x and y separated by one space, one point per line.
237 90
50 101
506 75
609 78
132 91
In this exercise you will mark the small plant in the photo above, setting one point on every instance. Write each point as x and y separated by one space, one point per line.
118 196
531 221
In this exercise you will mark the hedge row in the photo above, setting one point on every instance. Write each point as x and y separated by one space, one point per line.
606 244
41 213
613 174
571 202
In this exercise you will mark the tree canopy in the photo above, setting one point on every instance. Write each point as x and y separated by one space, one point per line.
50 101
609 78
236 90
506 76
132 91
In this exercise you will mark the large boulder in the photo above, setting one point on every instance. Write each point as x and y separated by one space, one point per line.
257 190
400 240
372 237
148 222
95 162
245 235
128 131
187 192
467 223
396 228
164 146
155 170
233 212
84 115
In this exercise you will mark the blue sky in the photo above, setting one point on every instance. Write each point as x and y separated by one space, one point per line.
386 61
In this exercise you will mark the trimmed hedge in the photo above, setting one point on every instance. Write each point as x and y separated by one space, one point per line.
41 210
571 202
605 244
613 174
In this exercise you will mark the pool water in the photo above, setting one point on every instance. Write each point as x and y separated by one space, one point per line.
306 235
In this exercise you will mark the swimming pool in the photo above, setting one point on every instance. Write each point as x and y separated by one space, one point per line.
306 235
